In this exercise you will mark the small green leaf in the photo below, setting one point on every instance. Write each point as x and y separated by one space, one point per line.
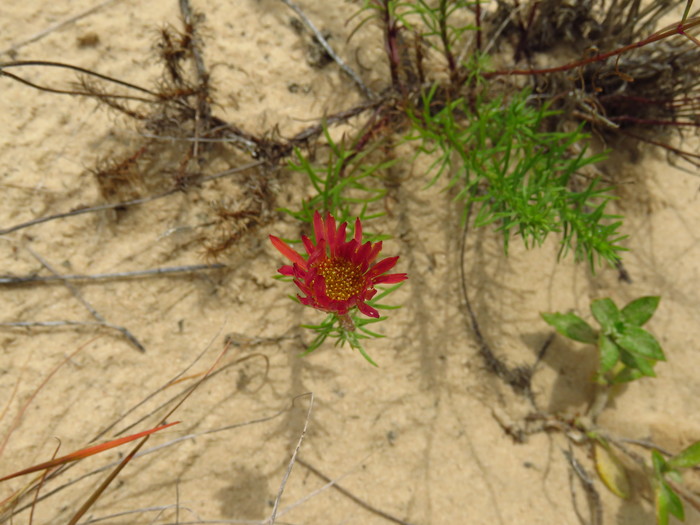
606 313
641 310
637 362
358 346
687 458
638 341
626 375
660 465
571 326
609 353
674 503
662 504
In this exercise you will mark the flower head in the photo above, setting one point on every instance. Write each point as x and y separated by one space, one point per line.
338 274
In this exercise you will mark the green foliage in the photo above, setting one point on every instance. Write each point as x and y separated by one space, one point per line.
516 176
572 326
626 351
345 186
334 327
433 22
666 474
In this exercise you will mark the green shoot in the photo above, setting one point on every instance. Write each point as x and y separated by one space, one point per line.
626 351
518 178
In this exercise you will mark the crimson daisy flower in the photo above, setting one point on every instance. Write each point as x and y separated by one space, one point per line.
338 274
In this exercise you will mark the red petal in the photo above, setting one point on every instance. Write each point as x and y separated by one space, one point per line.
391 278
302 286
319 253
330 230
339 307
320 289
360 257
286 270
308 244
347 251
287 251
367 310
318 227
339 239
299 273
382 266
358 231
305 300
376 248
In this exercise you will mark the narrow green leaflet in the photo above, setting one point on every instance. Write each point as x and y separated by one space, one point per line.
640 342
637 362
609 354
572 326
606 313
626 375
662 503
659 463
688 458
640 310
667 501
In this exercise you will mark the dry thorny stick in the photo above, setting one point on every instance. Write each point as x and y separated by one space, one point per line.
354 498
124 204
293 459
33 279
76 293
203 109
592 496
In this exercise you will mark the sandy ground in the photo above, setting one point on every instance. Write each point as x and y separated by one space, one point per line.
426 438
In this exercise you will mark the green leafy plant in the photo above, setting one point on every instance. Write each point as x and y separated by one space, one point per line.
345 185
626 351
351 333
340 277
517 176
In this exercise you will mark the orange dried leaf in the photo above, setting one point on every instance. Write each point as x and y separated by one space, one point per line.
85 452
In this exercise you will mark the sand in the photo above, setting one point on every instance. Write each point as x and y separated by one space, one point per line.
432 436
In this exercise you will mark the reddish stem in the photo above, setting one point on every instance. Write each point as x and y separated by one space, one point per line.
679 29
346 322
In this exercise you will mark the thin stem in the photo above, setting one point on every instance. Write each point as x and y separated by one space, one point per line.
346 322
444 37
32 279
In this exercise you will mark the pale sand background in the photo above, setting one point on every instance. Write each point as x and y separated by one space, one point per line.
418 438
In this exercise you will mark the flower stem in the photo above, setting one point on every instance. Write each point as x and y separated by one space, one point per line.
346 322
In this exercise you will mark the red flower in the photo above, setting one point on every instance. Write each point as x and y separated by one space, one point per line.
338 274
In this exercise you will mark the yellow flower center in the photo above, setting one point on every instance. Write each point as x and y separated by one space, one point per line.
343 279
